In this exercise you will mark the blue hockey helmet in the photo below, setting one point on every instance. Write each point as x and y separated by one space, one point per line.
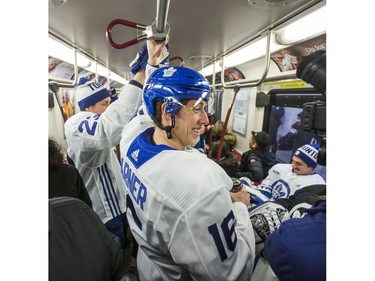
173 84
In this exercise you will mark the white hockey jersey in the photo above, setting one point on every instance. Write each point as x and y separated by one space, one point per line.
180 212
281 182
91 139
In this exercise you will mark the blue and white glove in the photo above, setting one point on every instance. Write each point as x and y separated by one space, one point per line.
256 197
140 60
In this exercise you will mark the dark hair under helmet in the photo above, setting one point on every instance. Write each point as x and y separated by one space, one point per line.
173 84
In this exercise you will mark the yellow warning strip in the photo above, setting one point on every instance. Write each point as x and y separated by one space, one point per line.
289 84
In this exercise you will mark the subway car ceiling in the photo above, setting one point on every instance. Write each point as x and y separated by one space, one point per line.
202 32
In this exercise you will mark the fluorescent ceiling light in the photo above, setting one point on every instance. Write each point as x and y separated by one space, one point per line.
102 71
248 53
62 52
305 27
113 76
208 70
308 26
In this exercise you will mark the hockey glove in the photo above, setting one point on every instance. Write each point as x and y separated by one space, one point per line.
266 218
256 197
140 60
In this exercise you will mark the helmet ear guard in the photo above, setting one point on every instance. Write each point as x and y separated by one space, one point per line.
172 106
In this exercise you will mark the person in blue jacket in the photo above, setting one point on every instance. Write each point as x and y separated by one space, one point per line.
297 250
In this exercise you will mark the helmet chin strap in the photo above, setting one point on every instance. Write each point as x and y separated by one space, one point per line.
167 129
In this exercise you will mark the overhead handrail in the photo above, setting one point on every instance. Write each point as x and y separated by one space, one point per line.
62 83
246 83
157 31
236 89
77 50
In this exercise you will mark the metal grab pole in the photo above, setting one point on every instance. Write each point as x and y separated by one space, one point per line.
162 8
236 90
159 29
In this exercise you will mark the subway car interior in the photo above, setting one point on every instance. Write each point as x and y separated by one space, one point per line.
265 62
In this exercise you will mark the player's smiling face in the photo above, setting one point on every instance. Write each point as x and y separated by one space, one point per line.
300 167
189 121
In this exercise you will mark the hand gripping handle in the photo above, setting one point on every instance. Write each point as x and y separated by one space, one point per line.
144 32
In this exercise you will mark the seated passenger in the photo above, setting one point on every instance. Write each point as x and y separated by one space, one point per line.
64 179
228 161
80 246
256 162
217 129
284 180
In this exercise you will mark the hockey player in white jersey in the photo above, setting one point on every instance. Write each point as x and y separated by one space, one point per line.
284 180
92 135
188 224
